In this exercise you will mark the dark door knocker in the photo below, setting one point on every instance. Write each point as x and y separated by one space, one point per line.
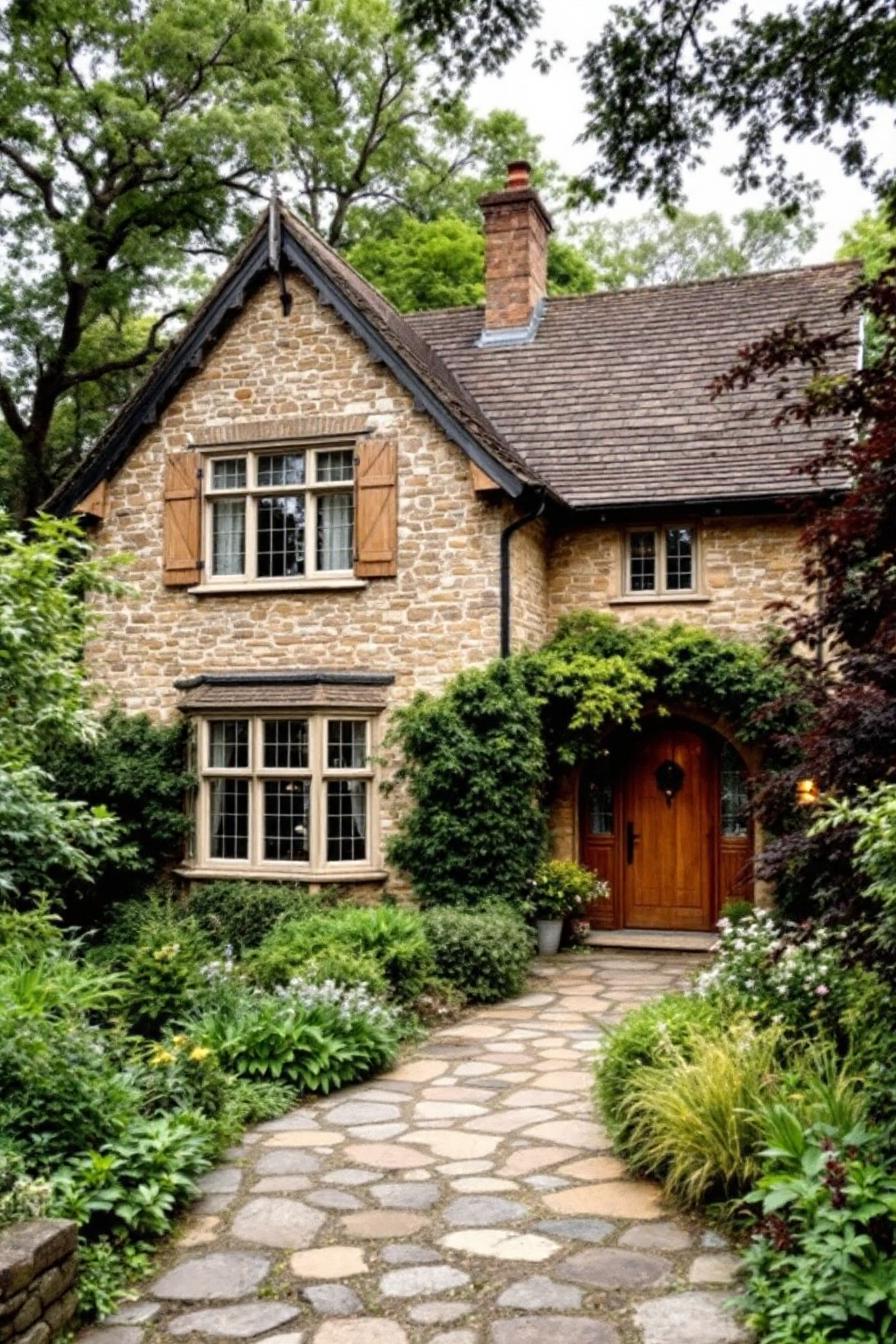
669 779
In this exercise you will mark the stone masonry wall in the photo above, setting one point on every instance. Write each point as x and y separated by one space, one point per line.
747 563
38 1266
439 615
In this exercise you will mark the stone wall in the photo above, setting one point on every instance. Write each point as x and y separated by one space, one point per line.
746 564
38 1265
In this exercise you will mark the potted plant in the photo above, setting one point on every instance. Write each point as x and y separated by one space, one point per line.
559 888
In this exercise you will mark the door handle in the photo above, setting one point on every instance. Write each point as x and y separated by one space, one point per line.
630 838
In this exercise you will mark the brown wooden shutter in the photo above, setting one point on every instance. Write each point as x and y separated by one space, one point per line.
376 509
183 521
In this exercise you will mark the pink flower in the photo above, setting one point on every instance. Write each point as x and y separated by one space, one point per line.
821 990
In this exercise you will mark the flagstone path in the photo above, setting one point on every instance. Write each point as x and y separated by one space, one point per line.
467 1197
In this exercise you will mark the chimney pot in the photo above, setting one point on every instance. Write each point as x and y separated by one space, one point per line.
518 174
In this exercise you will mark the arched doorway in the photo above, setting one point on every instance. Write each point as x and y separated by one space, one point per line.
665 820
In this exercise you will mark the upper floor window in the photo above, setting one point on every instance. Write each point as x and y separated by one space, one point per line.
279 514
661 560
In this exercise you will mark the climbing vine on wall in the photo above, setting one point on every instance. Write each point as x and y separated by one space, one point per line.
476 761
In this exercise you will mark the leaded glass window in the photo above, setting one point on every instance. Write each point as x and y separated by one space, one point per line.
735 798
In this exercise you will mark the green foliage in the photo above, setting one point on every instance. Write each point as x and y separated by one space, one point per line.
560 888
391 937
691 1116
822 1263
240 914
159 949
643 1040
315 1038
659 249
473 765
127 130
46 842
483 953
135 768
136 1182
872 814
105 1269
21 1195
872 241
433 263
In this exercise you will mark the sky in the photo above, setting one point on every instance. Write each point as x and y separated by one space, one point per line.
554 107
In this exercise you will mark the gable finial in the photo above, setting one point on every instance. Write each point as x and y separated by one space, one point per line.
275 243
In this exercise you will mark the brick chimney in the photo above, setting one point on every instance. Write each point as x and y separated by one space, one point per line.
517 227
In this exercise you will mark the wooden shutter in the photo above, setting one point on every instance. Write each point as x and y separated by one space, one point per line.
183 521
376 509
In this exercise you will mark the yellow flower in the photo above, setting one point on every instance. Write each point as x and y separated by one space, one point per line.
199 1053
179 1041
160 1057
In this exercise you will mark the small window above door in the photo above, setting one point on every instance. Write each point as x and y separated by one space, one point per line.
661 562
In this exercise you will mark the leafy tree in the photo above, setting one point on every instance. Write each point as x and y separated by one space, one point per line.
440 263
872 241
660 78
658 249
127 132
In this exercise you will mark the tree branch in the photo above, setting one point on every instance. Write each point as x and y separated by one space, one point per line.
43 183
11 411
132 361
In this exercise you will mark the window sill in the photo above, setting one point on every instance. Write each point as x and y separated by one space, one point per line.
653 599
275 586
283 873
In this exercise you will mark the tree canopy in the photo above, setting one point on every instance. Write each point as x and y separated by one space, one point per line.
656 249
662 78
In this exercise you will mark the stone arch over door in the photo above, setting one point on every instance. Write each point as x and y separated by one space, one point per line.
664 818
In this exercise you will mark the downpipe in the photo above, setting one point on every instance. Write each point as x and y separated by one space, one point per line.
506 534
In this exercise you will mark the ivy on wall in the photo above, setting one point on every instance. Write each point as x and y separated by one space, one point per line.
476 761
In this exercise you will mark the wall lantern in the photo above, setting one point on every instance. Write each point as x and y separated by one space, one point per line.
807 792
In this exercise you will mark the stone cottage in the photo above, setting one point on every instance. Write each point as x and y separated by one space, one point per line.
330 506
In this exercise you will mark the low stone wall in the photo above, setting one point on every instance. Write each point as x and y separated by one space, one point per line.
38 1265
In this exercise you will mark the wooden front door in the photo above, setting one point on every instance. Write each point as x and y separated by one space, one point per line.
669 831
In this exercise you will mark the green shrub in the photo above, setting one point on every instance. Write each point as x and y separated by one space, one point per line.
160 950
692 1117
644 1039
473 763
483 953
313 1037
346 968
391 937
105 1269
822 1262
241 914
135 768
135 1183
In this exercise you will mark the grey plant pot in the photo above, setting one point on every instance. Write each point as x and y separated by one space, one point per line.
549 934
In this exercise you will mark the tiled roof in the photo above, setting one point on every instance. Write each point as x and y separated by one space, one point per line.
253 690
610 403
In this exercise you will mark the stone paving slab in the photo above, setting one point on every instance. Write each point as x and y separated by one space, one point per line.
467 1197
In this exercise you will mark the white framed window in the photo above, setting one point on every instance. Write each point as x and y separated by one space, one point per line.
661 561
276 514
287 792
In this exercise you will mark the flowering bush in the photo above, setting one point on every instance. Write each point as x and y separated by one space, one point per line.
787 974
560 888
315 1037
21 1195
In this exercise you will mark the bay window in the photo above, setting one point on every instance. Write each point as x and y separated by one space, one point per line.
286 792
